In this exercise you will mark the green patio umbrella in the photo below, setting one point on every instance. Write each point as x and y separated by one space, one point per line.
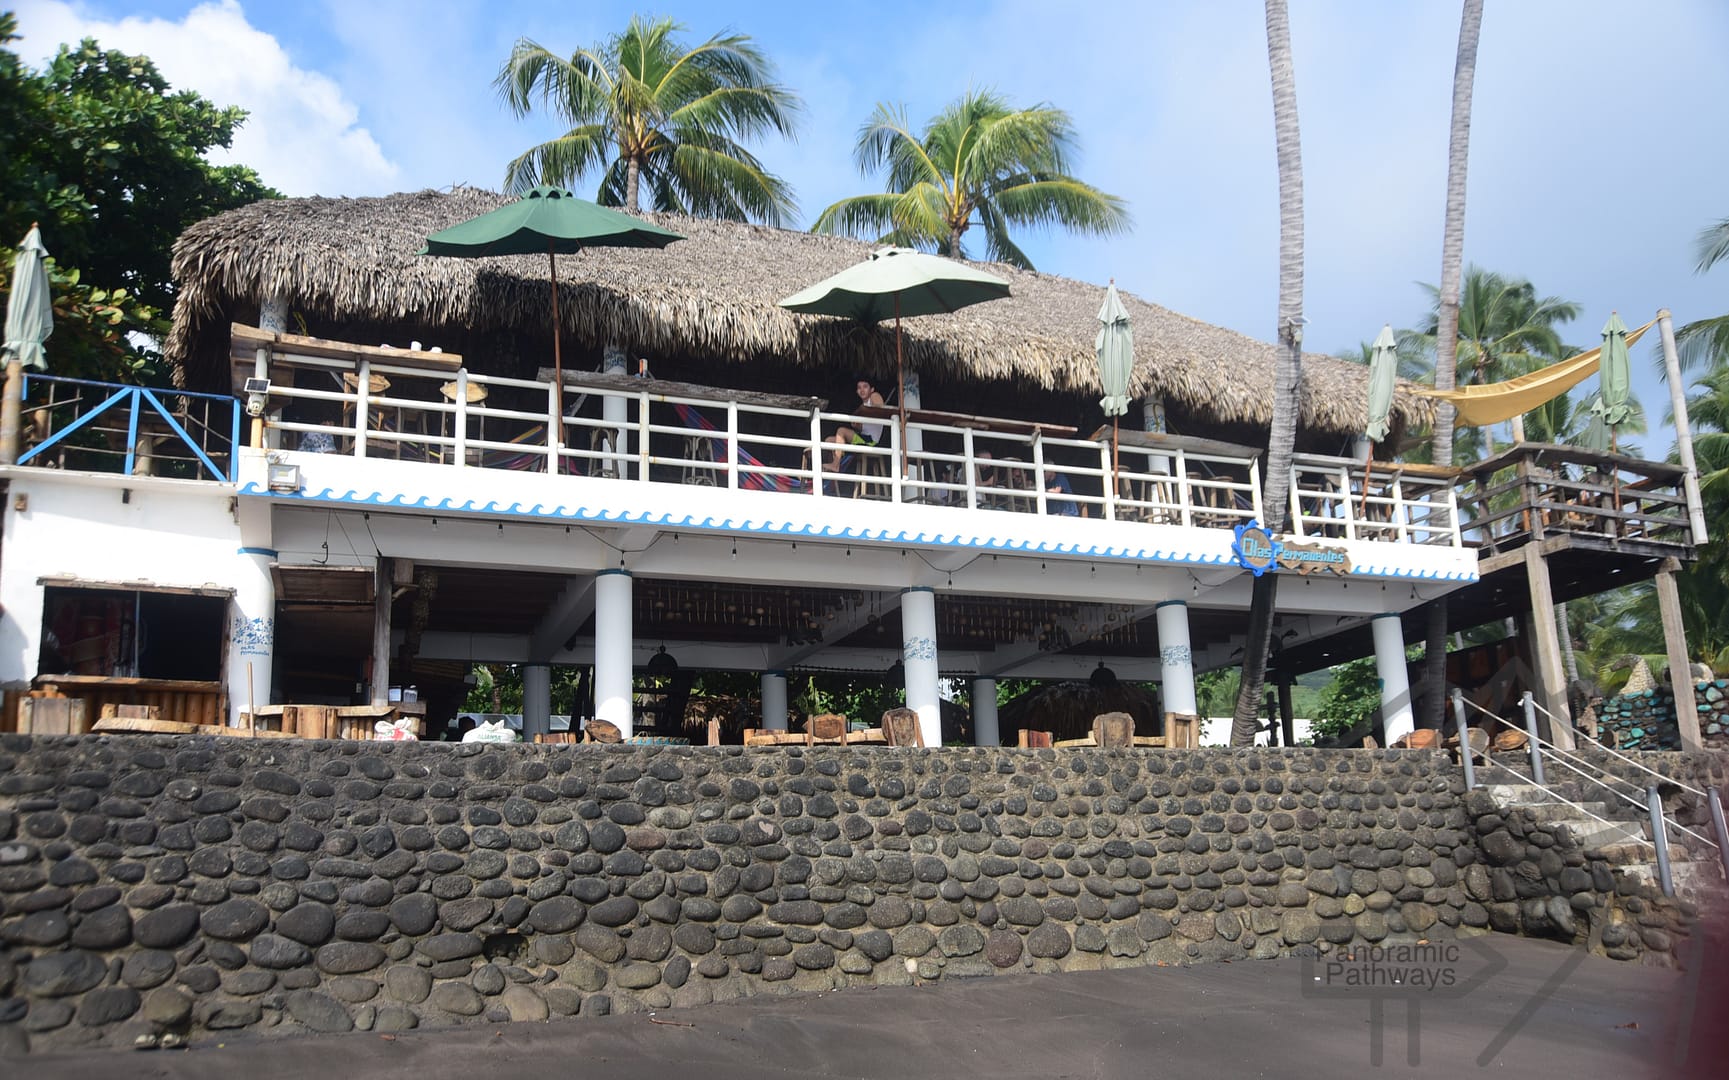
898 281
552 220
29 321
1383 369
1614 402
1115 348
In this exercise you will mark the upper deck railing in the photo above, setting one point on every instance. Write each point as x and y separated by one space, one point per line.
130 430
1538 491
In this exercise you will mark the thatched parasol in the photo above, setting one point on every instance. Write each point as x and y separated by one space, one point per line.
352 262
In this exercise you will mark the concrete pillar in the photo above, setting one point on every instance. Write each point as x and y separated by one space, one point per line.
614 649
616 411
1153 422
383 591
774 700
252 634
273 319
536 700
985 730
1397 717
1675 644
919 655
1176 661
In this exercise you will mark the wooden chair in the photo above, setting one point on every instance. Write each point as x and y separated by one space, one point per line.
1477 745
1182 731
1114 730
901 728
825 728
1035 739
602 731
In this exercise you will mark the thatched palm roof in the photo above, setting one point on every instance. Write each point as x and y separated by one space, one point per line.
352 262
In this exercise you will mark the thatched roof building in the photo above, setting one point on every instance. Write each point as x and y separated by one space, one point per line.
1067 709
704 310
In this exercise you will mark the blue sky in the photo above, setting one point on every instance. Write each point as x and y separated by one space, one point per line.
1597 149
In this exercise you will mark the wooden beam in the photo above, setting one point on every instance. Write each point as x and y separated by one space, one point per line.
381 634
1546 641
1675 644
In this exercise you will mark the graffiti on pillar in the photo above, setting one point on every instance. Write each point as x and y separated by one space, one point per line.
1170 655
919 648
254 637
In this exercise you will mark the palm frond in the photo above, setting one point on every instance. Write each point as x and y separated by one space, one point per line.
561 161
1712 246
1062 201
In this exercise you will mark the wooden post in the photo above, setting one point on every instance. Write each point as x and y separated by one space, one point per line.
1287 713
11 412
383 591
1683 431
1675 644
1546 648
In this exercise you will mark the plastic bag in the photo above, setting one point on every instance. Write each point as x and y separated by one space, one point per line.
400 731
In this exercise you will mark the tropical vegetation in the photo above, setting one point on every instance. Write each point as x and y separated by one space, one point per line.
655 117
979 162
100 151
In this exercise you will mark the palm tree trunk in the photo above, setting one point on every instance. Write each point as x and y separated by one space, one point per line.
1288 371
1447 328
632 182
1568 660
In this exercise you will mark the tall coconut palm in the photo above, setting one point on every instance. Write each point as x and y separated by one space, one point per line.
1447 320
1288 371
1707 340
978 162
647 112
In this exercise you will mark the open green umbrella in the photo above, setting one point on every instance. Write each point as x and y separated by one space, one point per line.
29 321
1614 402
1115 348
898 281
552 220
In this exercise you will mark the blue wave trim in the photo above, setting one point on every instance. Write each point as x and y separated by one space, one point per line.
770 526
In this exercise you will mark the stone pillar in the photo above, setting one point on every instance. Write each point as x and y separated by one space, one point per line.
614 649
616 411
986 731
774 700
536 700
1176 661
1397 717
919 655
252 634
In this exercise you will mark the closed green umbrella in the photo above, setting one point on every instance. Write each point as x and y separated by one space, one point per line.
1614 401
552 220
1115 347
29 321
896 282
1383 368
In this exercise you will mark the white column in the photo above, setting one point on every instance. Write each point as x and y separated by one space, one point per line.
272 318
536 700
774 700
616 411
915 439
919 656
1397 719
614 649
1176 660
252 634
985 730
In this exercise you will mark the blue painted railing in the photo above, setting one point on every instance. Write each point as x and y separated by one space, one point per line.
196 435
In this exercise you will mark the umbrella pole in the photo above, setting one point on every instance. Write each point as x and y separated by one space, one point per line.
1368 462
900 389
557 434
1116 465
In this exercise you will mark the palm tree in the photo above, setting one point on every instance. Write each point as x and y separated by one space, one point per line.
1707 339
648 112
1447 317
978 162
1288 371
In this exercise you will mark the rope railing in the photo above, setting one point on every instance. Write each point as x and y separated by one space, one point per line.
1612 752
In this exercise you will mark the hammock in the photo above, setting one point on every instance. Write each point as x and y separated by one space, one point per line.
754 481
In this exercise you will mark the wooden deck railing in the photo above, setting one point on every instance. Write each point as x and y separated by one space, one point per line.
1536 491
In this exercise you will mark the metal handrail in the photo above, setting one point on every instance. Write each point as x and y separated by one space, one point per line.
1617 754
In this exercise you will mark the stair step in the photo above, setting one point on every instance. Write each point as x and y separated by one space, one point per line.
1591 834
1690 878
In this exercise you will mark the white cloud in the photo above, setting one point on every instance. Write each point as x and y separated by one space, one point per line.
302 134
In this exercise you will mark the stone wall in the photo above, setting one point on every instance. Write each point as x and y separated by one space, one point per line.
186 884
1646 720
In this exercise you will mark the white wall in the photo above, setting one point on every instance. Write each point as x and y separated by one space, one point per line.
1216 731
165 532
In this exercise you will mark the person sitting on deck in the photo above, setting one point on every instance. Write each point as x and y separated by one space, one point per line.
866 435
1059 485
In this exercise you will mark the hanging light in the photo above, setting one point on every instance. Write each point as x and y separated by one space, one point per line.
662 663
1102 677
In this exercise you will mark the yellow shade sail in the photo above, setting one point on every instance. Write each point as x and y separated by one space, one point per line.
1495 403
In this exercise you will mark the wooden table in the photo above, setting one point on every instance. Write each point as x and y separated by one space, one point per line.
997 425
764 737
